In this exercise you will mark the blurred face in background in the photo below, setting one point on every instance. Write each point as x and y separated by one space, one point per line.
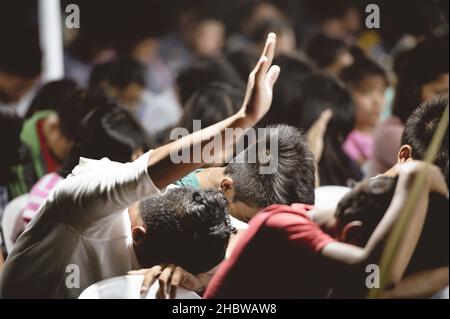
129 97
344 28
352 20
208 38
146 50
262 12
286 43
438 87
369 101
58 143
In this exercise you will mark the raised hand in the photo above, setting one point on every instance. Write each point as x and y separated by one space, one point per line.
258 95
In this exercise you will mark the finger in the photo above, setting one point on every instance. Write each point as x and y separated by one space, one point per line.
269 46
164 279
266 57
269 50
151 277
138 272
272 76
177 277
257 71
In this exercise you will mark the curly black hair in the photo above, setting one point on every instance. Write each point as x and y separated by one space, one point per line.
186 227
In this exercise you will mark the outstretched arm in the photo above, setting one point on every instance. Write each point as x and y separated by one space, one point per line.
257 101
353 255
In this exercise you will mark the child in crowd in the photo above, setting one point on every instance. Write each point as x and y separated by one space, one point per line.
423 74
247 190
418 134
122 79
45 137
320 93
49 134
367 83
107 131
329 54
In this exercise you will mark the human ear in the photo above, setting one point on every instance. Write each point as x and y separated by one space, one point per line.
351 233
404 154
138 233
226 184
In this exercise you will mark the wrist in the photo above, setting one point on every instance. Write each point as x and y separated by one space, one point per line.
245 120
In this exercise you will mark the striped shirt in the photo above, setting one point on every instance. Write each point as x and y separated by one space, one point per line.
38 195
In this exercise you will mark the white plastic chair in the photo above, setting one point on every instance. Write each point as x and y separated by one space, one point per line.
10 214
128 287
329 196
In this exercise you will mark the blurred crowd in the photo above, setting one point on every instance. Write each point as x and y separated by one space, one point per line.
351 103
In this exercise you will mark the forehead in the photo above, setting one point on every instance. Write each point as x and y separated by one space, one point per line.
374 81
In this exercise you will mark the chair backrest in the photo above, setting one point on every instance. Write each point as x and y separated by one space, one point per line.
10 214
329 196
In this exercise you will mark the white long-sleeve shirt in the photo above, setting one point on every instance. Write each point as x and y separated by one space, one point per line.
82 233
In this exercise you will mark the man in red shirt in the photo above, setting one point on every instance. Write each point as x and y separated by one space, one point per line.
291 251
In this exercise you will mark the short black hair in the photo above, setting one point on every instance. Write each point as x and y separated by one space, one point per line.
71 113
204 71
119 73
324 50
288 88
419 66
243 61
292 182
362 69
368 203
211 104
52 96
106 130
189 228
420 128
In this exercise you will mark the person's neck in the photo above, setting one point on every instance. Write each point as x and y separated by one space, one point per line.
210 177
365 129
133 213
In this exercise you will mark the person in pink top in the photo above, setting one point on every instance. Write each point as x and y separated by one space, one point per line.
367 82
